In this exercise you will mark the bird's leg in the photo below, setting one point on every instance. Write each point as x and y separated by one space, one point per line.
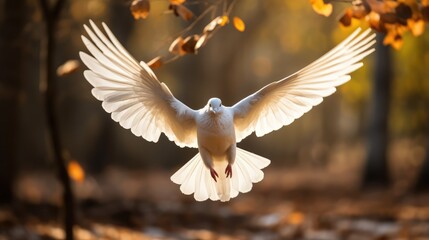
230 156
208 161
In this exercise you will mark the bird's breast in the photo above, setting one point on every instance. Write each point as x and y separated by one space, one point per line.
216 133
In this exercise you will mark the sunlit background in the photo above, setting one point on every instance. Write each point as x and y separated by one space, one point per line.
327 146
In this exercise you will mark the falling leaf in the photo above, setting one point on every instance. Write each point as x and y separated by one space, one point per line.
155 63
176 47
322 8
239 24
140 8
189 44
182 11
177 2
295 218
67 68
75 171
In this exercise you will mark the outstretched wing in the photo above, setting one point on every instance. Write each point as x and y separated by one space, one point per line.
280 103
132 94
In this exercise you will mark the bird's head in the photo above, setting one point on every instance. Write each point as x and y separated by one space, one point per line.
214 105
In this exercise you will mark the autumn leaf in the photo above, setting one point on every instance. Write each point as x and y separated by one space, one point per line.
177 2
322 8
296 218
176 47
140 8
189 44
155 63
417 27
393 39
182 11
201 41
223 20
75 171
360 9
239 24
346 19
67 68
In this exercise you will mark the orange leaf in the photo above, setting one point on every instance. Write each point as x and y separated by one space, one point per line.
155 63
295 218
75 171
346 19
321 7
223 20
394 39
67 68
239 24
140 8
177 2
417 27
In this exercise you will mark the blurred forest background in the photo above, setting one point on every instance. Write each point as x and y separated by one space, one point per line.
325 166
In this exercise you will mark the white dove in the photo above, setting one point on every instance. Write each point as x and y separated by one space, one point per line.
131 92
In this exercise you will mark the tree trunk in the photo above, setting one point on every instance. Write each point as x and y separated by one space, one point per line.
11 48
376 172
49 91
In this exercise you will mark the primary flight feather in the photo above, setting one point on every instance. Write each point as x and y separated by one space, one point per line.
131 92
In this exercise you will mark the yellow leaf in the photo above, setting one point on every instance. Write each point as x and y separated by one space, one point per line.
75 171
140 8
67 68
177 2
321 7
239 24
417 27
223 20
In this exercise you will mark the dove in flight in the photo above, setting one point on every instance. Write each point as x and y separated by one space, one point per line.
132 94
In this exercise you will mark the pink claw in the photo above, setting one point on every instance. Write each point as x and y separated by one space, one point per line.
228 171
214 174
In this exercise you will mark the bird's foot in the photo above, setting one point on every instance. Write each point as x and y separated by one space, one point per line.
214 174
228 171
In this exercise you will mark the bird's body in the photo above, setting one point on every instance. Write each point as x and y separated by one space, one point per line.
215 131
136 99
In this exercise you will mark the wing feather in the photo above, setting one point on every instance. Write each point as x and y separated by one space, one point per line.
280 103
131 92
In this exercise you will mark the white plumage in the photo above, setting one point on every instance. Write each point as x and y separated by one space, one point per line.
136 99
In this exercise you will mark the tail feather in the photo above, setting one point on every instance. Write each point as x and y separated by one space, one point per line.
194 177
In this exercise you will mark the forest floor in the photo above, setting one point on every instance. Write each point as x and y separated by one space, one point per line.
287 204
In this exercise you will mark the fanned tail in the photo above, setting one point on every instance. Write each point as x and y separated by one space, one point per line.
194 177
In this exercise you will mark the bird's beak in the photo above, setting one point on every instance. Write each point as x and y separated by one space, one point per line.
213 110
